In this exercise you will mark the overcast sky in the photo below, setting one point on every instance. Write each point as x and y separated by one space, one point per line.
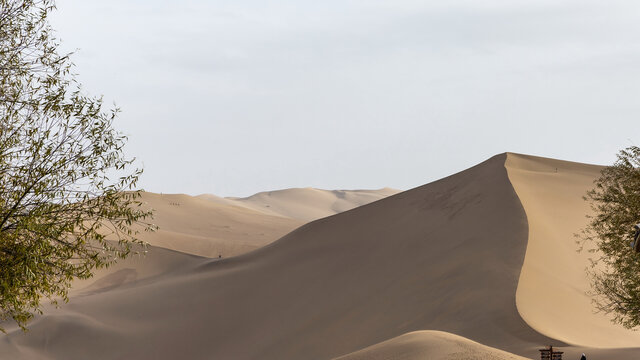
236 97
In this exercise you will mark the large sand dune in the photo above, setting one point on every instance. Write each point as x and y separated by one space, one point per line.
446 256
212 226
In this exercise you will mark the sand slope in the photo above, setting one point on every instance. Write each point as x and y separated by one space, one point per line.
150 265
446 256
211 226
432 345
307 204
551 294
64 333
200 227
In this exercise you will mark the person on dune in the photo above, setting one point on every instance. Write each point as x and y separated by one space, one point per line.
583 357
636 238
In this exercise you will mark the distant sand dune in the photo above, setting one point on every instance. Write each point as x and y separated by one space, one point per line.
197 226
307 204
211 226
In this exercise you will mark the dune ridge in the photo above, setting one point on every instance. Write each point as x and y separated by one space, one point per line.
205 228
306 204
553 286
211 226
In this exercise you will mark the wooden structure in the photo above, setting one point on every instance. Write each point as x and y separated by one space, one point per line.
549 354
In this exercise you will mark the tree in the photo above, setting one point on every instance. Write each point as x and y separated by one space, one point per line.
615 273
61 215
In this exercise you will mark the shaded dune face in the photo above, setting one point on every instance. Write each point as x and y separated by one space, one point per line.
444 256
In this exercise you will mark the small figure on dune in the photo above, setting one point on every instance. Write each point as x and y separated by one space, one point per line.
583 357
636 238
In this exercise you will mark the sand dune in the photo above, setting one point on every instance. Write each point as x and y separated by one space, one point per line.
307 204
200 227
432 345
211 226
64 333
552 291
446 256
153 266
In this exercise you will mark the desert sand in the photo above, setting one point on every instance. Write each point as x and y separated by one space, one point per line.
448 268
211 226
432 345
307 204
553 286
200 227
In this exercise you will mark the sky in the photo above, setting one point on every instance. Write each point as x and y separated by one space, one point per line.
241 96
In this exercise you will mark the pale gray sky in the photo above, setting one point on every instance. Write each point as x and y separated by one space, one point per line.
235 97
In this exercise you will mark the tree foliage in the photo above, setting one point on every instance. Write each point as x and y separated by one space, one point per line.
61 214
615 273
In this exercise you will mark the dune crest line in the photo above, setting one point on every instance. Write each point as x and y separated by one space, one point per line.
552 289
